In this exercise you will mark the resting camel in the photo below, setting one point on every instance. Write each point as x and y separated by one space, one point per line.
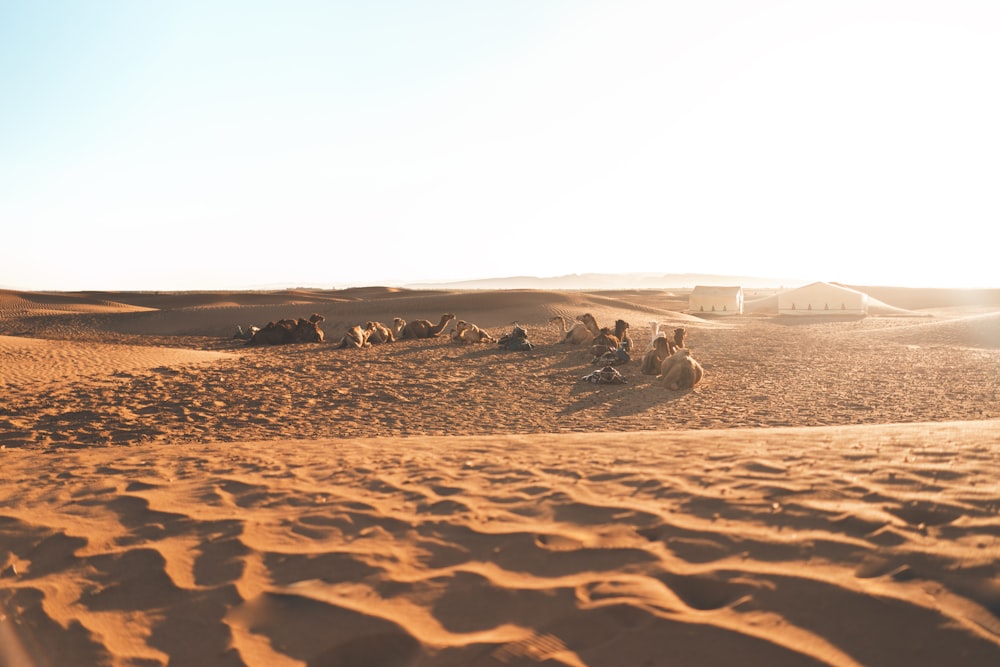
674 342
605 339
578 335
622 334
653 360
398 324
289 331
356 336
379 333
612 346
654 328
467 332
424 329
603 343
678 339
680 370
590 322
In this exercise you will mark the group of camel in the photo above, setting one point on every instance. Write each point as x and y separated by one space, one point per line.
586 331
284 331
377 333
305 330
668 359
671 360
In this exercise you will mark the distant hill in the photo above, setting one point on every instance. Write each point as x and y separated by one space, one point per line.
615 281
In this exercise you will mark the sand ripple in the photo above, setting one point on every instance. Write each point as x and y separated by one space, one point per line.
37 362
867 546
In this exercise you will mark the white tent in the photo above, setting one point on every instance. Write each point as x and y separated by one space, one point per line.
716 300
822 299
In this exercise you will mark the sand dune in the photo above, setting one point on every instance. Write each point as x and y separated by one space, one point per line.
188 315
19 304
836 546
827 496
956 330
35 361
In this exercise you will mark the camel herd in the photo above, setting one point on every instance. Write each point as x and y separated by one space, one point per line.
284 331
586 331
377 333
668 359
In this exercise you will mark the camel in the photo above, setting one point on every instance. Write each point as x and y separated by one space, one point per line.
653 360
604 343
612 348
622 334
654 328
590 322
289 331
424 329
601 336
398 324
680 370
356 336
467 332
379 333
678 339
674 342
577 335
605 339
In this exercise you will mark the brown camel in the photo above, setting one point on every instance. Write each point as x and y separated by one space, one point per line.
653 360
290 331
675 339
622 334
603 343
678 340
680 370
356 336
578 335
424 329
467 332
379 333
605 338
398 324
590 322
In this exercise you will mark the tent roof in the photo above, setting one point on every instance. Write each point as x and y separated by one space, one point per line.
716 290
811 287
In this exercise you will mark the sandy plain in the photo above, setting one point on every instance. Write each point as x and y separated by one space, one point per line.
828 495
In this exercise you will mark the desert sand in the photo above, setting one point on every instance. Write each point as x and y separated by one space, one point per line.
829 494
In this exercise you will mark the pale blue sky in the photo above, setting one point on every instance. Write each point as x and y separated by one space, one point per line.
217 145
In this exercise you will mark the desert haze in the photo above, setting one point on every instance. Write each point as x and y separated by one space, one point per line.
827 494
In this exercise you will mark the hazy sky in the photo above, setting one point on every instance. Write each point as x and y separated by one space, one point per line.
214 145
